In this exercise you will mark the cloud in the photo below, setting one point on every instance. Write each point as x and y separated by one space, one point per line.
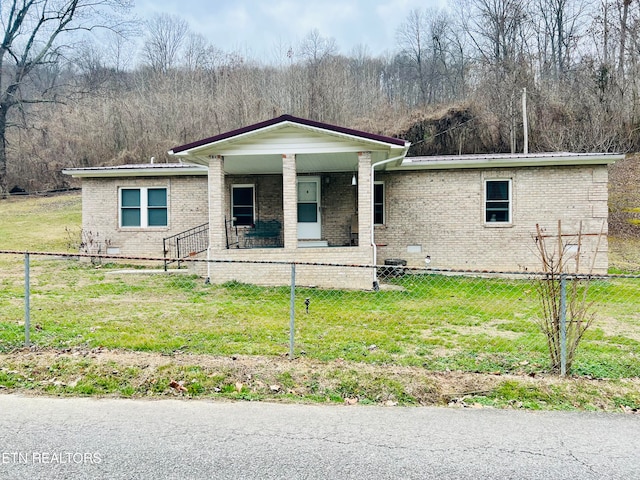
259 26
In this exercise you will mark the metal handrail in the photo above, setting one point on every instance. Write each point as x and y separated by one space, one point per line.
185 244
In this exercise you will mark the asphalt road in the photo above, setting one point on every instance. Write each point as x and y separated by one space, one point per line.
52 438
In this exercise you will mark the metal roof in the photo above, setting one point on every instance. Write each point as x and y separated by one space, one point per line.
138 170
507 160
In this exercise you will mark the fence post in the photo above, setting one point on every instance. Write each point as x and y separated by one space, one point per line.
563 325
292 310
27 303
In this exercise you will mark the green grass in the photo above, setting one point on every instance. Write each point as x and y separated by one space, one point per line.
39 223
441 323
434 323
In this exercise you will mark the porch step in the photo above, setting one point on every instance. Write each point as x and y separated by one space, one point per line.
312 243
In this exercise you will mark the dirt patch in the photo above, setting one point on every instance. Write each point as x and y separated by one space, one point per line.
137 374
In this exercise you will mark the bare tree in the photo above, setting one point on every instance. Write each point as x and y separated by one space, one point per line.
33 36
561 26
425 40
165 36
497 28
316 51
117 52
199 54
499 31
412 40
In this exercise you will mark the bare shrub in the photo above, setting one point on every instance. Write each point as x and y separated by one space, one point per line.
566 311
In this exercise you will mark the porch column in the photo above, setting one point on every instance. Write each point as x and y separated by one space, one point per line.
216 204
365 192
290 200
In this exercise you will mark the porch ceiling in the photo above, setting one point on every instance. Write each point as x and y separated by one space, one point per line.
305 163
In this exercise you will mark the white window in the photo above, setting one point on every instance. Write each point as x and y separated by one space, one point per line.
378 203
497 205
143 207
243 204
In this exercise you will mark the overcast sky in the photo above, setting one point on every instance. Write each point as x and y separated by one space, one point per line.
257 27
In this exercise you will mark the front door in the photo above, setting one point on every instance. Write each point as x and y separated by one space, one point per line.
309 227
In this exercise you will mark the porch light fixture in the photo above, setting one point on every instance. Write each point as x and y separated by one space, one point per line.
354 180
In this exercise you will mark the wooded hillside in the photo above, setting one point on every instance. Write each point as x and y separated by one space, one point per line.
453 83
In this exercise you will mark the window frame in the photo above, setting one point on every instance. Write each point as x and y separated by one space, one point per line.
382 203
252 186
509 200
143 207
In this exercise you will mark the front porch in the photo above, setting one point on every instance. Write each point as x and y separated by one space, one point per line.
298 216
292 190
326 211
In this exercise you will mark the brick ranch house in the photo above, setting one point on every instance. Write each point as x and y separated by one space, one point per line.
295 190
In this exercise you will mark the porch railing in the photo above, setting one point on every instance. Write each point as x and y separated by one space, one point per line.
231 233
185 244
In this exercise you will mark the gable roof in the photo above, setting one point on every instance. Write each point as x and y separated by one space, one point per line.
291 120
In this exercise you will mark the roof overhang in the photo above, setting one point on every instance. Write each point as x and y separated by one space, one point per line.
319 147
142 170
506 160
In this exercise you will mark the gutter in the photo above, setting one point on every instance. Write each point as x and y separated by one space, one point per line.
506 161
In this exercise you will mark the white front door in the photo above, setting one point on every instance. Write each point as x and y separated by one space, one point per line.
309 227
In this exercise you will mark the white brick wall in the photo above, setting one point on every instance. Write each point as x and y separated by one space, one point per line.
442 212
306 275
187 202
437 213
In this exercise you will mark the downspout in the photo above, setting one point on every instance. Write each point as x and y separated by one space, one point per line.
373 242
208 279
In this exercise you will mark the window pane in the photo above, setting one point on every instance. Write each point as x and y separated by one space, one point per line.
242 205
497 215
378 203
130 197
498 190
242 196
130 217
378 215
243 220
378 193
244 215
307 213
307 191
157 197
157 217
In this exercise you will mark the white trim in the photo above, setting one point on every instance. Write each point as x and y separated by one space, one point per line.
144 207
253 195
509 198
310 230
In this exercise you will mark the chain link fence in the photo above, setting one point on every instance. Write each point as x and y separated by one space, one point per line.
487 322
